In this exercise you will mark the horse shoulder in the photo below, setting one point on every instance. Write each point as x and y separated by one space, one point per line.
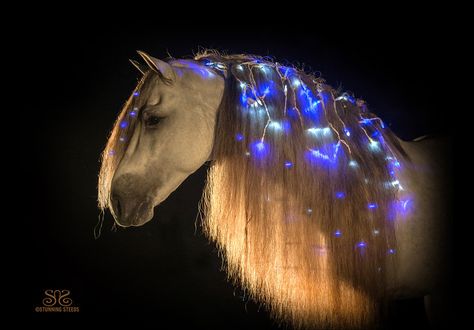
423 233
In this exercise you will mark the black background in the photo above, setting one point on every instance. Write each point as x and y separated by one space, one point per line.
165 274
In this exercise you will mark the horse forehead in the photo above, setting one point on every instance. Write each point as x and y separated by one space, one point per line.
152 91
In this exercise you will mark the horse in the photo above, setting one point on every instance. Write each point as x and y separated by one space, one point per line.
320 212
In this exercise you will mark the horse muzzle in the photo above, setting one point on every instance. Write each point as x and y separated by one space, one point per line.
129 206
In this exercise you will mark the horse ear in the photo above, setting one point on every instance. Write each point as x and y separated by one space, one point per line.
159 66
143 69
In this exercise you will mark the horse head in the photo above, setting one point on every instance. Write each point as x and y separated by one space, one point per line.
165 133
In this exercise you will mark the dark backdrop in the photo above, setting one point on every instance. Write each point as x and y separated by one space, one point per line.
166 273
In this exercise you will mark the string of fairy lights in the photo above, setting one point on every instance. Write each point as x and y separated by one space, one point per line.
300 104
290 80
292 87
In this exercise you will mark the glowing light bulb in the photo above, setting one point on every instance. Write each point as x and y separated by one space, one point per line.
338 233
372 206
340 195
123 124
275 126
353 163
374 146
239 137
288 164
296 83
318 131
137 93
259 149
266 91
361 244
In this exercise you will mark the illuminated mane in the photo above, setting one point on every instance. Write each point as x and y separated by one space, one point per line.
302 193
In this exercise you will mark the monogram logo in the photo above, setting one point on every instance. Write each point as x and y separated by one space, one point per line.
57 301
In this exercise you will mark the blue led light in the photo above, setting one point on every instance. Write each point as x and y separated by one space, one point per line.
340 195
239 137
123 124
368 121
259 149
266 91
198 69
347 132
372 206
133 113
365 121
391 251
288 164
286 126
244 99
361 244
338 233
137 93
111 152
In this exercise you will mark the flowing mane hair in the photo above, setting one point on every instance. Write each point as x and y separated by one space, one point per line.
301 196
298 197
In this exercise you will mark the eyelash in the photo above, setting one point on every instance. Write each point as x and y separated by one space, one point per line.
152 121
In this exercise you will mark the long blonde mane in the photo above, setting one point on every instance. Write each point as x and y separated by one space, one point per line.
302 195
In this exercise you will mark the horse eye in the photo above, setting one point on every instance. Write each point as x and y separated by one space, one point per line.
152 121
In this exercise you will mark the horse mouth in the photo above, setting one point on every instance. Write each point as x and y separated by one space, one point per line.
135 216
